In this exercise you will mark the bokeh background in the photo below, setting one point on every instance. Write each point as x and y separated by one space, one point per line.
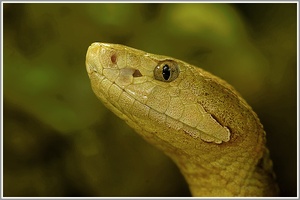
59 140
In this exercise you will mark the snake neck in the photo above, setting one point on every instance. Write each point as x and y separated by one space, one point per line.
236 168
240 167
227 174
240 177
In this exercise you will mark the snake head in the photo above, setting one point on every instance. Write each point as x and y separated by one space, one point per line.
152 93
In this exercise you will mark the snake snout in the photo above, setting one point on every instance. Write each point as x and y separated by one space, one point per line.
92 60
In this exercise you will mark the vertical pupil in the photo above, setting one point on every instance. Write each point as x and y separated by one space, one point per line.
166 72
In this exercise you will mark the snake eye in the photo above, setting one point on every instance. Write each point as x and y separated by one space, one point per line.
166 71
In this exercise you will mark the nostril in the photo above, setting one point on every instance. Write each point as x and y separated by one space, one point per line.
137 73
113 58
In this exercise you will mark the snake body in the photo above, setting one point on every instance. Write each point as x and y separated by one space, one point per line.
194 117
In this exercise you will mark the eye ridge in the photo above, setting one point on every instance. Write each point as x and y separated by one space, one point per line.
166 71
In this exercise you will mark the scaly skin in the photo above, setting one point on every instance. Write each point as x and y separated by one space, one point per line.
197 119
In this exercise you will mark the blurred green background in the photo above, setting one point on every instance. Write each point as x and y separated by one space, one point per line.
59 140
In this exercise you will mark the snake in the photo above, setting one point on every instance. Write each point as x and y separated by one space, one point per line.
196 118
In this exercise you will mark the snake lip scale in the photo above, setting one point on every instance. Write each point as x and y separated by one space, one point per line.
197 119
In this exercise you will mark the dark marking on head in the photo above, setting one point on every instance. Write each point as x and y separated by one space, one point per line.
217 119
137 73
113 58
